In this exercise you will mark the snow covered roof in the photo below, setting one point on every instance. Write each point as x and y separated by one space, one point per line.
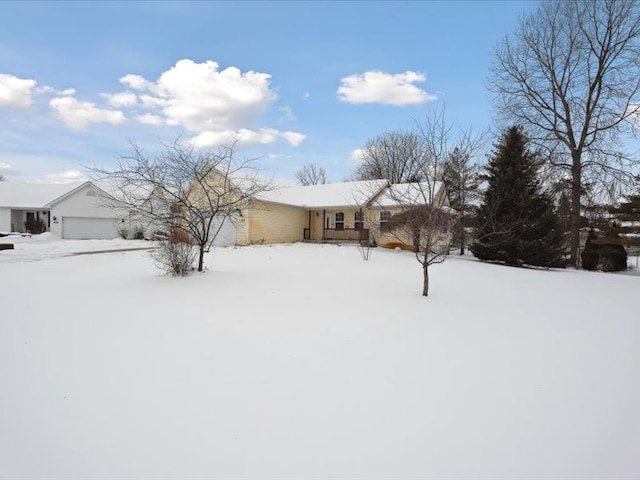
33 195
408 194
330 195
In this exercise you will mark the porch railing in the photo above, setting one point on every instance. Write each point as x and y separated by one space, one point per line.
347 234
341 234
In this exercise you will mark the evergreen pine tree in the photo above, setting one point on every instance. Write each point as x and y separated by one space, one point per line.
628 216
461 179
516 224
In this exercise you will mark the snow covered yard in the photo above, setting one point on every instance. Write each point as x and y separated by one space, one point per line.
303 361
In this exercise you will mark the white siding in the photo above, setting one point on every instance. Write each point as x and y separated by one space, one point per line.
5 219
85 203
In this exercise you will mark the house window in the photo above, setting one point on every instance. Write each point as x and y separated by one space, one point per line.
339 221
358 222
384 217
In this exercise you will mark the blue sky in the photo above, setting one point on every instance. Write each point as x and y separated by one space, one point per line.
300 82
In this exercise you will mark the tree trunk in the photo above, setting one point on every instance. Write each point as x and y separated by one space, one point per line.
200 257
576 187
461 233
425 279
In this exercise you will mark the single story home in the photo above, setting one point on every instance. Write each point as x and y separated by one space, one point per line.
72 210
344 212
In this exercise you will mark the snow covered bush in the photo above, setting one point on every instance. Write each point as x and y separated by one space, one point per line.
177 254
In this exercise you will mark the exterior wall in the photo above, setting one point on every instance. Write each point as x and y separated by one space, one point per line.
242 227
441 199
86 202
274 223
372 222
18 217
5 219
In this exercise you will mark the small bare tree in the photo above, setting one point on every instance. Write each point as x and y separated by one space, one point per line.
422 217
430 227
311 174
184 189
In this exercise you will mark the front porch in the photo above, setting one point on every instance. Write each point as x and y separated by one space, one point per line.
30 221
339 234
336 225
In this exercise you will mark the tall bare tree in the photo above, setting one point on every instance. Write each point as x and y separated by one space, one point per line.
185 189
2 178
396 156
311 174
570 75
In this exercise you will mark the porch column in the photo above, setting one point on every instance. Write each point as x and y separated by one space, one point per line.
324 219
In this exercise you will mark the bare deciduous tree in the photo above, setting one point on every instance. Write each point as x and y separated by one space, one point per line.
422 215
427 224
396 156
571 76
311 174
2 178
182 188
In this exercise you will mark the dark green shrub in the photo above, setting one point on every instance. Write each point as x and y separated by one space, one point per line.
606 254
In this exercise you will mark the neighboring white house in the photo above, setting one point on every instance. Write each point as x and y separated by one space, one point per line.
71 210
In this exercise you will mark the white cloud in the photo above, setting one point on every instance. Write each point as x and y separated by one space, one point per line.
287 114
121 100
306 95
264 136
78 114
200 97
217 105
386 88
64 93
150 119
15 92
208 139
293 138
244 136
68 176
135 81
7 169
357 155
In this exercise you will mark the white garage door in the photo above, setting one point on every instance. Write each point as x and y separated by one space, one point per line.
227 234
82 228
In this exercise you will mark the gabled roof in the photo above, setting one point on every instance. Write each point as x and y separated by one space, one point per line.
74 190
408 194
331 195
33 195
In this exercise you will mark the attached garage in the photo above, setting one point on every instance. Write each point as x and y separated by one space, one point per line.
85 228
83 214
227 235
